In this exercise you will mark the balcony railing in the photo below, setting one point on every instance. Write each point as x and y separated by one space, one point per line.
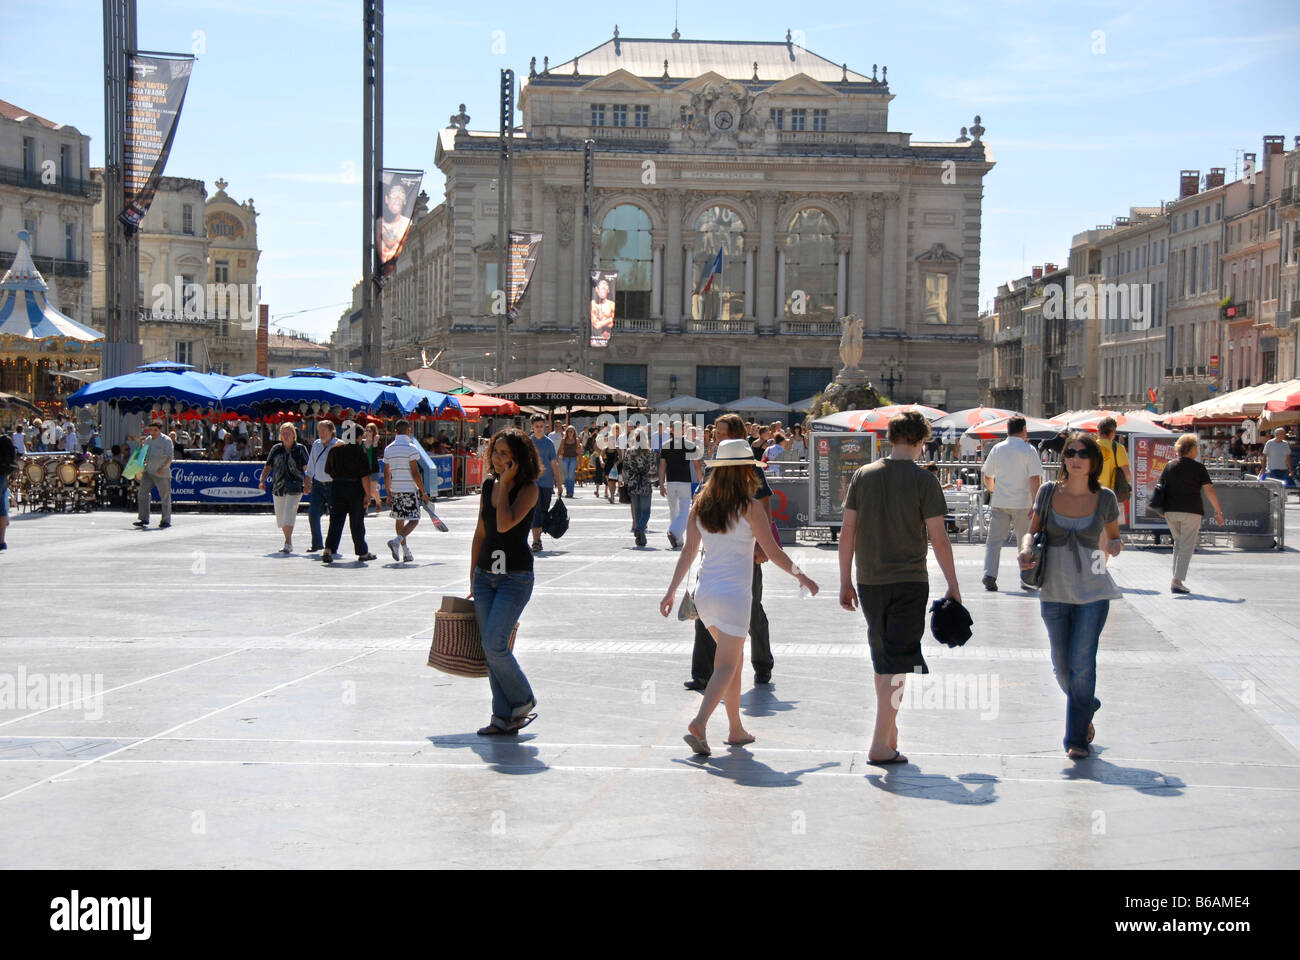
811 328
638 325
50 266
33 180
1290 196
1295 308
724 327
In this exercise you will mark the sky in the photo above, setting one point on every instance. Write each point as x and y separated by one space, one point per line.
1089 108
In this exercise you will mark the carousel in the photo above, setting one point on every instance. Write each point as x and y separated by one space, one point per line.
36 340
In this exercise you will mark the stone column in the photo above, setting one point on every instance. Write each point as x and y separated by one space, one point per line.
764 309
656 277
892 266
750 304
858 260
673 266
550 251
842 244
688 282
779 313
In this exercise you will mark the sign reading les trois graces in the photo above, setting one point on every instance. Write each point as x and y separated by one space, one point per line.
835 458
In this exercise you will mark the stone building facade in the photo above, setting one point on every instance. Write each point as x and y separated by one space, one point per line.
198 289
46 189
1288 312
1131 304
772 154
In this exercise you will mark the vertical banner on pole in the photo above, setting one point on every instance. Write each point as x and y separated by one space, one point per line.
393 223
602 307
154 97
519 269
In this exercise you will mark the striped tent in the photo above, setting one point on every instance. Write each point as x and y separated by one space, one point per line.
25 309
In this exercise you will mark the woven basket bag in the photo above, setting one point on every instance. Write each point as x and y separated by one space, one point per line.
457 646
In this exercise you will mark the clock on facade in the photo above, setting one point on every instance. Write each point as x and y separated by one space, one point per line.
723 119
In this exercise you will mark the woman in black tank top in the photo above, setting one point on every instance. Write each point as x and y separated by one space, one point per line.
501 574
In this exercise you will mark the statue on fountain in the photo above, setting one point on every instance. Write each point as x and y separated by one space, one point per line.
851 390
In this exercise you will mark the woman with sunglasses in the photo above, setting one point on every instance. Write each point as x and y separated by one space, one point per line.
1081 519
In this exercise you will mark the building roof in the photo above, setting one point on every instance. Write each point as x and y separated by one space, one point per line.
733 59
283 341
13 112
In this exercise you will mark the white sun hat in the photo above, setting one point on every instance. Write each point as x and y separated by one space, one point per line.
732 453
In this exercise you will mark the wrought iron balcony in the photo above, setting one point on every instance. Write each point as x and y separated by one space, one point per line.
810 328
50 266
69 186
724 327
638 325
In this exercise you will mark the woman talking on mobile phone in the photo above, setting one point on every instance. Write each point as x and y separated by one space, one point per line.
501 574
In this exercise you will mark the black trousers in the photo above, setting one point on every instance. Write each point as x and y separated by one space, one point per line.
347 499
760 643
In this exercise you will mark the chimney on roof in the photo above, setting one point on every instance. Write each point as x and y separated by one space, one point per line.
1274 144
1214 178
1249 168
1049 268
1189 182
1038 273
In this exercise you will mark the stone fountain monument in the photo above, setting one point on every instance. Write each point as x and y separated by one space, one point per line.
850 390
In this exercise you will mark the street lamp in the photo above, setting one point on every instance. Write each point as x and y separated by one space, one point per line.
891 372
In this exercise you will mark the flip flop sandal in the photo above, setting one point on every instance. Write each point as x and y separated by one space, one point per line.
522 722
700 747
739 743
896 758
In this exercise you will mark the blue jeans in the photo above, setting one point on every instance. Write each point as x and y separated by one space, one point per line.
570 475
499 599
317 508
1074 630
543 507
641 510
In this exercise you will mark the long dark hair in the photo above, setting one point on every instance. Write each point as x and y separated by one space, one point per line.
521 450
727 493
1095 461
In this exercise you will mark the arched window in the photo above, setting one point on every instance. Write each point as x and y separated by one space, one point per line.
811 267
718 229
625 248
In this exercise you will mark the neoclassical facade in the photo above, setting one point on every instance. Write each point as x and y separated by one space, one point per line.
770 155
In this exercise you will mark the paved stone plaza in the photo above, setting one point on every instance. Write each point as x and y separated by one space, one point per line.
261 710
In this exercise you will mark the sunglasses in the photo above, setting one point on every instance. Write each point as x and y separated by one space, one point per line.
1078 452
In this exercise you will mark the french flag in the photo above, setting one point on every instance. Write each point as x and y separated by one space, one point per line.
715 270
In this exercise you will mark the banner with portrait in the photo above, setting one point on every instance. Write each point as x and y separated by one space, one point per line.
602 307
155 94
393 221
520 263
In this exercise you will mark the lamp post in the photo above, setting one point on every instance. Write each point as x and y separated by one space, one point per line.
891 372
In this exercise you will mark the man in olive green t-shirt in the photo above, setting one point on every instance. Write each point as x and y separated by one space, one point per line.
892 507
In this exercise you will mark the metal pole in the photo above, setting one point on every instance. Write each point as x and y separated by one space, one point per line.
504 177
375 361
588 189
369 42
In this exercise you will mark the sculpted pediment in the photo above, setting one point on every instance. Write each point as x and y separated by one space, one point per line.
803 85
621 80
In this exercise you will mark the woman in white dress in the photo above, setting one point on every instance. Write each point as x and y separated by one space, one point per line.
726 519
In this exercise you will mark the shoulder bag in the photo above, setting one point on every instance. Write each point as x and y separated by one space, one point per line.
1157 502
1038 572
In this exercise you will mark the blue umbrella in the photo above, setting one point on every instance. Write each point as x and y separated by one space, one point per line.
308 385
139 391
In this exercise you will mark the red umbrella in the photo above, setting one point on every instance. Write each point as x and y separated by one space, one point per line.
872 421
997 429
1289 402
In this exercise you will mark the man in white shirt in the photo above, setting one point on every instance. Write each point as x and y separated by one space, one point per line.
231 451
1277 456
316 483
404 480
1013 471
71 442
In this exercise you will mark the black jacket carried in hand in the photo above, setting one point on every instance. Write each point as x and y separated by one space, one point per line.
950 622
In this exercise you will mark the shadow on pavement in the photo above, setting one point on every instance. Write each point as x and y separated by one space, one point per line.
762 702
1140 592
739 766
1206 596
968 788
510 755
1147 781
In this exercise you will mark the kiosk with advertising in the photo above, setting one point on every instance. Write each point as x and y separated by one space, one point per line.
833 458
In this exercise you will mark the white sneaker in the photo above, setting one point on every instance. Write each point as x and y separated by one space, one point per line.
286 549
393 544
407 555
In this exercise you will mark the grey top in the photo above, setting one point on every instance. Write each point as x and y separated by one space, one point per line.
160 451
1076 568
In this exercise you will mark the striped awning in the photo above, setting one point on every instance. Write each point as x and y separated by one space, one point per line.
25 309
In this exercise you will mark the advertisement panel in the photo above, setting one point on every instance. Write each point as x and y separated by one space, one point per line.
1149 456
400 190
214 481
835 457
155 93
1247 508
602 307
519 268
789 505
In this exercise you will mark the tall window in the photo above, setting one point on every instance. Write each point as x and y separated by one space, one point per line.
597 114
69 241
184 351
187 219
642 115
718 384
490 285
936 298
625 249
65 162
189 292
29 155
221 271
819 119
799 119
620 114
719 228
776 118
810 267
